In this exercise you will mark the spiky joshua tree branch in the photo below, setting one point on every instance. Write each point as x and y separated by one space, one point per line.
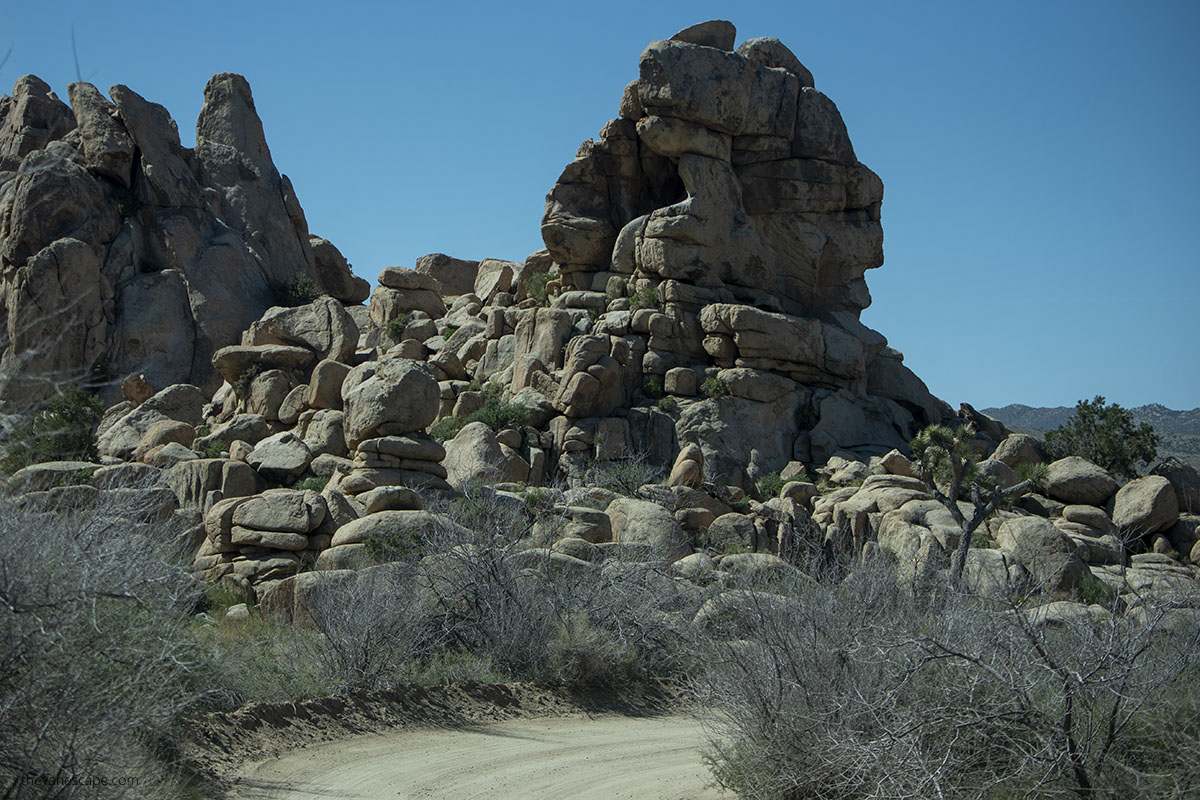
944 460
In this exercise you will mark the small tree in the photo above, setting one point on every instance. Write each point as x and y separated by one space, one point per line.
943 459
1105 435
61 430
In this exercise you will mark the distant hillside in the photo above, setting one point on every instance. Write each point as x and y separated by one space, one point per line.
1180 430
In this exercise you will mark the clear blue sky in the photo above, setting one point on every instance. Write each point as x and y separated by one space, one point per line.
1041 159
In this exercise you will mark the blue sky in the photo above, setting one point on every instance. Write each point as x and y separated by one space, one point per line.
1040 159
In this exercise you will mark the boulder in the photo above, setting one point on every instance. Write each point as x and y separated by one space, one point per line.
179 403
400 528
1185 480
390 498
493 277
717 33
136 389
324 434
733 532
322 326
325 385
761 567
237 362
164 432
334 275
1145 506
1018 449
474 454
195 482
286 510
896 463
281 458
642 522
1077 480
106 144
388 303
454 276
249 428
688 469
1091 516
392 396
1045 551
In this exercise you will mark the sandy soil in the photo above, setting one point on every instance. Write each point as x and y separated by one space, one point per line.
609 756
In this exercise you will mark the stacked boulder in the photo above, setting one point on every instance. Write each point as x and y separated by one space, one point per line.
264 538
388 404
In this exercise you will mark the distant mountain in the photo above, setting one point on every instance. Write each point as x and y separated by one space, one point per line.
1180 430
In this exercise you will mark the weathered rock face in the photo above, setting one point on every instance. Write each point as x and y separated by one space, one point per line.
122 251
726 170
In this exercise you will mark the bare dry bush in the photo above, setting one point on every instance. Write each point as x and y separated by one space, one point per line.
474 595
861 689
97 656
374 623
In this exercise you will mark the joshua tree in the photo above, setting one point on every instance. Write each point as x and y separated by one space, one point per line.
944 460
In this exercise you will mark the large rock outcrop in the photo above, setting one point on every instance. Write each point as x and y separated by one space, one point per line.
121 251
721 228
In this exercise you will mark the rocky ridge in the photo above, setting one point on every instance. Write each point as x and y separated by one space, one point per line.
695 309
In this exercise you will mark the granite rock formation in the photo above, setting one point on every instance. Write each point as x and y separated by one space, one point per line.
722 225
121 251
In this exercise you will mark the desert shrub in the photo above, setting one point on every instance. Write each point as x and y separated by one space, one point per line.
535 287
495 413
668 404
396 545
644 298
536 499
314 484
714 387
447 428
241 386
863 689
98 662
395 326
624 475
454 666
652 388
257 660
771 484
1105 435
299 291
1094 591
61 430
215 448
374 624
533 618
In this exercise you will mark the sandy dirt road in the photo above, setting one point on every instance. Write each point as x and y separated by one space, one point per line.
599 758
